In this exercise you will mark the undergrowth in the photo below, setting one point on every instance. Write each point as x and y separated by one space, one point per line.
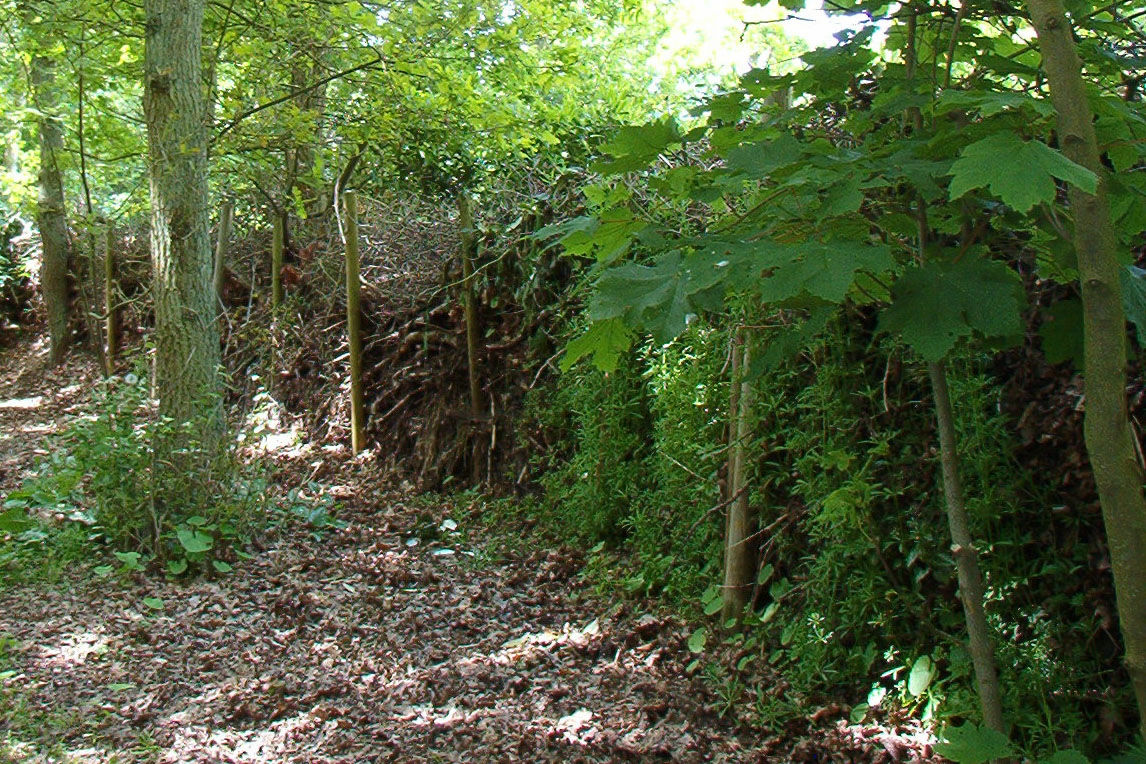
857 594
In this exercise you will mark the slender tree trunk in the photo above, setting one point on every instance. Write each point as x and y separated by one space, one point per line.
354 322
1109 438
466 221
111 300
222 240
739 565
277 261
186 333
50 209
966 557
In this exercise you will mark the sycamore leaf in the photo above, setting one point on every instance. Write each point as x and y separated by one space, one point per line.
935 305
1019 172
758 160
605 340
816 269
1068 756
969 744
654 298
634 148
1134 299
1061 333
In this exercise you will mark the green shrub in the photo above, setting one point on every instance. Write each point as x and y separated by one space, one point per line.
103 474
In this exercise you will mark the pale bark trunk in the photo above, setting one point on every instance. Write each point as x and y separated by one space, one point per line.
111 301
1109 438
50 209
186 334
739 564
222 240
354 323
466 221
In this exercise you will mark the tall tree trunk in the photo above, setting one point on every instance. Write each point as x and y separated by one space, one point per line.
354 324
222 241
186 334
466 222
50 209
739 562
1109 438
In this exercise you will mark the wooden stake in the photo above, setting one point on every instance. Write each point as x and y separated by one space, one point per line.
277 265
111 308
221 243
466 221
354 321
739 566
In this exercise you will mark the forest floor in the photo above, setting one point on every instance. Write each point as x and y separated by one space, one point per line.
396 637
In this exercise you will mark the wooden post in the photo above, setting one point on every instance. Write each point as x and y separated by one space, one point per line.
354 321
221 243
739 567
466 222
111 300
277 265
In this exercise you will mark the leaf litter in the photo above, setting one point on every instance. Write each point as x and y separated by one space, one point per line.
357 646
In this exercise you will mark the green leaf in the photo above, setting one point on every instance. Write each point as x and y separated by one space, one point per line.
153 602
605 340
194 541
196 521
1019 172
935 305
102 570
1134 299
1061 333
698 640
177 567
130 560
922 672
713 607
634 148
221 567
15 520
970 744
764 574
859 711
758 160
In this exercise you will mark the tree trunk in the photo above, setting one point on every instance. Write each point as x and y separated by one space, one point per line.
966 557
739 565
111 301
50 209
186 334
466 222
354 322
277 261
222 240
1109 438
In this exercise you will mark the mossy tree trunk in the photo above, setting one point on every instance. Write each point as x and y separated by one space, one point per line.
1109 438
186 333
50 209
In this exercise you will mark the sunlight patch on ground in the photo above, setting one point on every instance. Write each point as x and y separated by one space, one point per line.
73 650
22 403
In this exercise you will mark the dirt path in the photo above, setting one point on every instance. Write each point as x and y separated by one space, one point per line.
369 643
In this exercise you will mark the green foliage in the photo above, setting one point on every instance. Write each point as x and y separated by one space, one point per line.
968 744
101 476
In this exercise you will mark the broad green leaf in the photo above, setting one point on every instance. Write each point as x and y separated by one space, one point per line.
1134 299
1061 333
970 744
605 340
922 672
177 567
221 567
823 270
758 160
153 602
194 541
634 148
653 297
713 607
935 305
15 520
1019 172
698 640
